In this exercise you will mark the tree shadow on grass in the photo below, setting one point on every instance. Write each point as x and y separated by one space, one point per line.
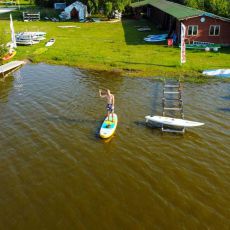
135 37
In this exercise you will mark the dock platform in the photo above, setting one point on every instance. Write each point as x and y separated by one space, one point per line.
10 67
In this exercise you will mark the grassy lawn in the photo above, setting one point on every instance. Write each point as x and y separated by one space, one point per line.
113 47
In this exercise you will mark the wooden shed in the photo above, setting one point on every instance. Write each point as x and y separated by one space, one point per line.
201 26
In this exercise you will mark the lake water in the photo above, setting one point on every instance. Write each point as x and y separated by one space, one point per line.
56 173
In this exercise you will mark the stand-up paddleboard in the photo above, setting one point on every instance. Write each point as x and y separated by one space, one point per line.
108 127
172 121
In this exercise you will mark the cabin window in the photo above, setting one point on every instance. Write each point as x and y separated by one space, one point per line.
214 30
192 30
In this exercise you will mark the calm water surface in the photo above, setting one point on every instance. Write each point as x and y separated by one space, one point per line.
56 173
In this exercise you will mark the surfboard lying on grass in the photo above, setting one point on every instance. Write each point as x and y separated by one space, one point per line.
50 42
156 38
225 73
108 127
172 121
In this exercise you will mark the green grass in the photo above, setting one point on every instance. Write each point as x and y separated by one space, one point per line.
115 47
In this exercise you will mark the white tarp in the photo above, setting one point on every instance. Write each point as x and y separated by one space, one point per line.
80 8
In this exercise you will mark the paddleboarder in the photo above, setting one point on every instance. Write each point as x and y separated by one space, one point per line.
110 101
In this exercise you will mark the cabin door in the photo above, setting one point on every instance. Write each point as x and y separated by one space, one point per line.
74 14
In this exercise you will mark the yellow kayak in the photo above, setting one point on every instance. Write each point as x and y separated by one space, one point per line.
9 56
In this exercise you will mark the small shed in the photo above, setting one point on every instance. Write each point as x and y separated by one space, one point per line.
76 10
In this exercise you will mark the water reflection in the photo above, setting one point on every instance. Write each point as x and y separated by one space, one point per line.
6 86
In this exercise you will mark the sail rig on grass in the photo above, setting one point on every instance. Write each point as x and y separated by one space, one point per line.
13 39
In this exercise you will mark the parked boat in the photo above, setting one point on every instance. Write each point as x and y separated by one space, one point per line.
9 55
50 42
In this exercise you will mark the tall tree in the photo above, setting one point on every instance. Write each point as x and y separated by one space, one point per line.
108 9
93 6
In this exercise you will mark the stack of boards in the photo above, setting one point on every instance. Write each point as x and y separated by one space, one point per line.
109 126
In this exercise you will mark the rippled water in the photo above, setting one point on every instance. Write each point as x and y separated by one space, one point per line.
56 173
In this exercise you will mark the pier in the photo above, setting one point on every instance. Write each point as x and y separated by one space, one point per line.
172 103
10 67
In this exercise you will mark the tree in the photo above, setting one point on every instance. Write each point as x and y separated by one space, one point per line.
219 7
120 4
192 3
108 9
93 6
3 48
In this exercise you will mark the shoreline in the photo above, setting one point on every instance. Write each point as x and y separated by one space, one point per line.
118 73
115 48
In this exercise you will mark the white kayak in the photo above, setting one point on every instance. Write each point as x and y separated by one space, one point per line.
217 72
172 121
108 127
50 42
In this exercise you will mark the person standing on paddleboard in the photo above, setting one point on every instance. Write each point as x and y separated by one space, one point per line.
110 101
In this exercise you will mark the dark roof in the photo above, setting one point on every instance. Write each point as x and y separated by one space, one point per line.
176 10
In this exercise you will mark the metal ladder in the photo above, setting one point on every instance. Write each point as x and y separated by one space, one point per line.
172 104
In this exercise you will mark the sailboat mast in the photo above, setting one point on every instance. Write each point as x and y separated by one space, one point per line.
14 45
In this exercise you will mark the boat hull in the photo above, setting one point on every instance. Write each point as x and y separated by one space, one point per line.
9 56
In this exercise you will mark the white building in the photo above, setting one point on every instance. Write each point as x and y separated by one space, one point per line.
76 10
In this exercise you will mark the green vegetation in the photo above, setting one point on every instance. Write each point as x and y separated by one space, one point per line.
108 9
117 47
94 5
219 7
3 48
